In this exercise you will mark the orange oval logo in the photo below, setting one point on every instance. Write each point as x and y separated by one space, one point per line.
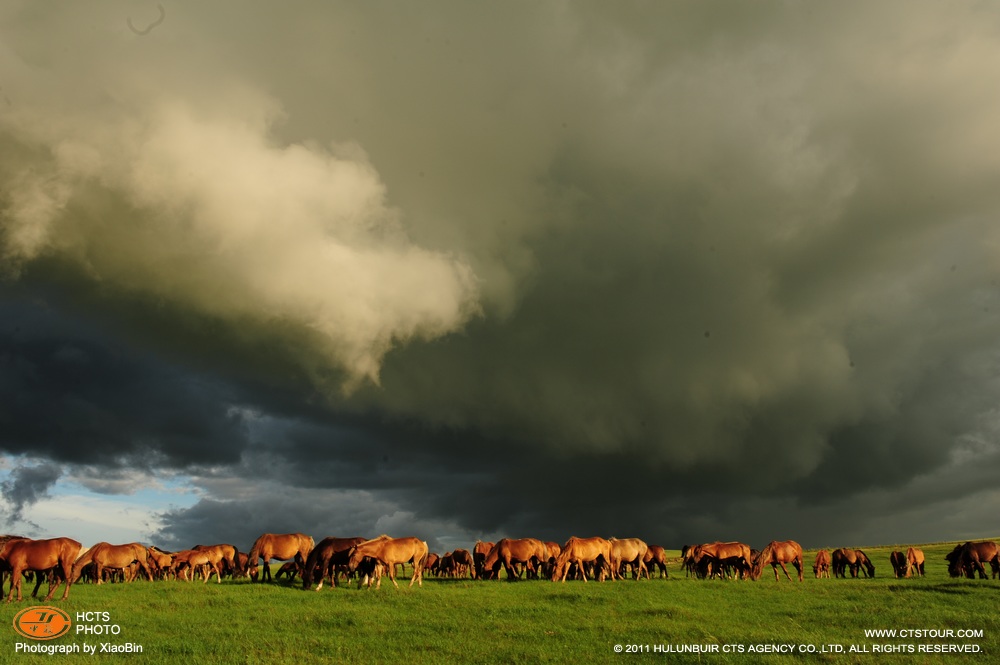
42 623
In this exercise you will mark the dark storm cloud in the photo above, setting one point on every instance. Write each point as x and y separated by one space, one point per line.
25 486
730 268
75 394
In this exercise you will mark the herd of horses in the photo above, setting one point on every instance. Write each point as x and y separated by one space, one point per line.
65 561
738 560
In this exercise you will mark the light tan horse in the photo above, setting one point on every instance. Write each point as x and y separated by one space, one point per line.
821 568
22 555
390 551
509 552
631 551
105 555
914 561
778 553
278 546
582 551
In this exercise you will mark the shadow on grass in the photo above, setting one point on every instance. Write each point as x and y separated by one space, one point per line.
954 589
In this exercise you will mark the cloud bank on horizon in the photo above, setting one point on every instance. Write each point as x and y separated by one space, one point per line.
356 269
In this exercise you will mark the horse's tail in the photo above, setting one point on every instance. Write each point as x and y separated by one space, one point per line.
758 565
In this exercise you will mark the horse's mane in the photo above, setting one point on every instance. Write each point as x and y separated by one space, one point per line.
376 539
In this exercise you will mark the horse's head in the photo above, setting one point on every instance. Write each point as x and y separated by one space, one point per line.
354 557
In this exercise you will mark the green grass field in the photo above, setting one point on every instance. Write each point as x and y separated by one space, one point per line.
461 621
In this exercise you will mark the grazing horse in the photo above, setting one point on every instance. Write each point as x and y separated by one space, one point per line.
656 557
509 552
278 546
479 553
914 561
228 557
968 559
631 551
580 551
899 567
778 553
713 558
390 551
865 564
324 559
105 555
821 568
40 555
844 559
159 561
194 559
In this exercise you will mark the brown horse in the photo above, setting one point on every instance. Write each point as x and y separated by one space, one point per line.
278 546
713 558
778 553
324 559
581 551
843 559
656 557
464 563
968 559
821 568
105 555
479 553
628 551
40 555
898 562
160 562
390 551
509 552
228 555
914 561
193 560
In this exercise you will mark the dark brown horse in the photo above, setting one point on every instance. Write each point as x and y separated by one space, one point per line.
324 559
278 546
778 553
40 555
509 552
898 562
105 555
390 551
821 568
969 558
581 551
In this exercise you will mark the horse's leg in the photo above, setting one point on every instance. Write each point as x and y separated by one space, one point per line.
784 570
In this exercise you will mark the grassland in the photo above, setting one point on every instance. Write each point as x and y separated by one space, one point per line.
460 621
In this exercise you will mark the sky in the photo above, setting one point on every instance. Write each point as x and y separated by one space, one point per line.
678 271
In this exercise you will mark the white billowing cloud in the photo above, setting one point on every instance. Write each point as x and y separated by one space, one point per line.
205 211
